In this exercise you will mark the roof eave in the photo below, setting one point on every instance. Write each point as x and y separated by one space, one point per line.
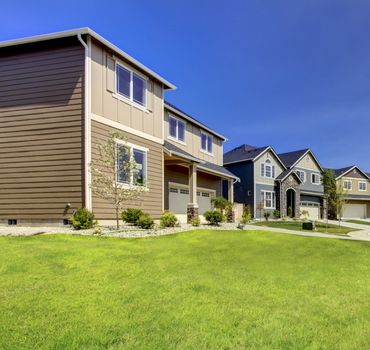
88 31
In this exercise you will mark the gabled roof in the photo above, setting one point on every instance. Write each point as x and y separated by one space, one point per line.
186 116
96 36
338 173
286 173
247 152
290 159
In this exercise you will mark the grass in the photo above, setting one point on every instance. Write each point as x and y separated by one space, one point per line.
361 222
297 226
198 290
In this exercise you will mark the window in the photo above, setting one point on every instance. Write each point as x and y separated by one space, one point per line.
125 173
206 142
267 169
174 190
347 184
268 199
177 129
362 186
130 85
183 191
315 179
302 175
205 194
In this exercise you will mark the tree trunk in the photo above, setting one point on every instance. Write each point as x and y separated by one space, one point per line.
117 217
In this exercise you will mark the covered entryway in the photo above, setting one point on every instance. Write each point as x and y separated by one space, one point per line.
354 211
179 197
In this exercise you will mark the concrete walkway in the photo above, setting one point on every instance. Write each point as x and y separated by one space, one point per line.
363 235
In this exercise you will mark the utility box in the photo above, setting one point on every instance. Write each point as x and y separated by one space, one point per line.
309 226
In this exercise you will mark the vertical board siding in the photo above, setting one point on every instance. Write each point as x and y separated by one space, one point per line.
41 131
151 201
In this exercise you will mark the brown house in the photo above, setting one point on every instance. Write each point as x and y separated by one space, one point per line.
61 94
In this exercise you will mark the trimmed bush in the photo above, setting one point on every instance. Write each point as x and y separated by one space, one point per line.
145 221
246 217
276 214
168 219
131 215
213 217
290 212
82 219
267 214
195 222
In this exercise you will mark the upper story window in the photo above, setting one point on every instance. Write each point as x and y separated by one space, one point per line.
302 175
206 142
315 179
131 85
177 129
347 184
128 155
362 186
267 169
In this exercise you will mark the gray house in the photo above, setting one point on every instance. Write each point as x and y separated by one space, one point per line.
288 182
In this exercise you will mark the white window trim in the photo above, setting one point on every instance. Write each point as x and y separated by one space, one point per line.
176 139
271 165
130 99
201 189
273 199
350 187
139 148
362 182
207 135
304 174
315 183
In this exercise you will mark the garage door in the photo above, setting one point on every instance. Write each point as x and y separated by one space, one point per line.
312 208
354 211
179 197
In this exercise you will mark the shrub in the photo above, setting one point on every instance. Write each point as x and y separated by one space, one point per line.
168 219
220 203
267 215
82 219
290 212
305 214
195 222
276 214
145 221
131 215
246 217
213 217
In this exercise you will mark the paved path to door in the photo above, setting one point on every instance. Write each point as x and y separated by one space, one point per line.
363 235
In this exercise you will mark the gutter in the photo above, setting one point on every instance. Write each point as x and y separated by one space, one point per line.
87 126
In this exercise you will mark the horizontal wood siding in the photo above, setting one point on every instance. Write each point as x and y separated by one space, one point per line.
41 130
151 201
179 174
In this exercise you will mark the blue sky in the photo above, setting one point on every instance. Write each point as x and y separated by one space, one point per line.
291 74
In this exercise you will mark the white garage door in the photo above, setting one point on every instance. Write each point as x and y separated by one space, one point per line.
354 211
312 208
179 199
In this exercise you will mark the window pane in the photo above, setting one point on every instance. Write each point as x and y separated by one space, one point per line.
268 170
123 81
140 173
181 130
173 127
139 89
123 156
204 142
209 144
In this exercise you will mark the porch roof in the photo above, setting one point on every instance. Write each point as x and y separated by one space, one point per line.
212 168
286 173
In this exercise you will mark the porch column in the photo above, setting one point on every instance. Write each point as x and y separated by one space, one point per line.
192 211
230 190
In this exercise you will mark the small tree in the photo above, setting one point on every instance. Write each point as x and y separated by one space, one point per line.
330 189
339 201
115 160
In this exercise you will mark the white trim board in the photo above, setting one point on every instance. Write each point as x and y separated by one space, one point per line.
119 126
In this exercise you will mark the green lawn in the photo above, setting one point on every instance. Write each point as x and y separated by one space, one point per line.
297 226
198 290
362 222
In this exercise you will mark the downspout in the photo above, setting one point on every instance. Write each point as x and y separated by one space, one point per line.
87 126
